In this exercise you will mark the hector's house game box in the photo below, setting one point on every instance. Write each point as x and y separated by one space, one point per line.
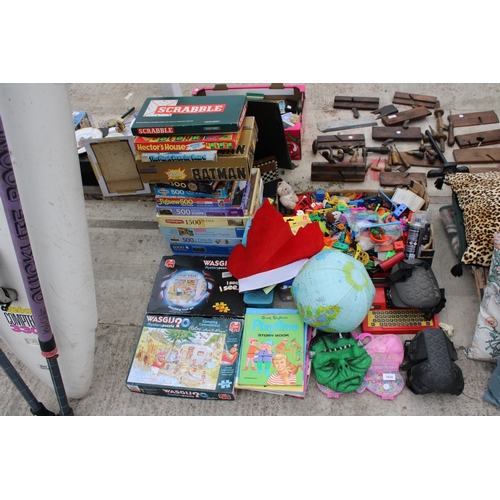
186 357
290 99
189 115
196 286
230 165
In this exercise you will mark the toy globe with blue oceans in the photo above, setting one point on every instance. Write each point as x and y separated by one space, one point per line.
333 292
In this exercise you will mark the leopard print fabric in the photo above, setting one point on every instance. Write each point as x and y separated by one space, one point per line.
478 196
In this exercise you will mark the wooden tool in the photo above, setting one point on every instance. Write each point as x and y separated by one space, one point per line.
476 139
338 141
471 119
451 132
401 178
355 103
414 100
396 133
441 136
343 171
477 155
405 116
404 161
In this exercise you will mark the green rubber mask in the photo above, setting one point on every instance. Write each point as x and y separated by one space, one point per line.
339 362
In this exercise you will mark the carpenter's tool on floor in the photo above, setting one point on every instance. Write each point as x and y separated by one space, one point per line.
404 117
394 158
346 124
396 134
431 157
475 140
414 99
385 110
377 149
355 103
441 136
370 149
330 156
417 154
404 161
20 239
337 141
477 155
449 167
375 165
354 158
451 136
473 119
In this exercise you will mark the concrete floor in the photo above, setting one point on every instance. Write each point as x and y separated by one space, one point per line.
127 247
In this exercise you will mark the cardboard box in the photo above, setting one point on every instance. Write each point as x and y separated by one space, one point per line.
201 240
278 93
176 143
253 193
186 357
230 165
203 222
193 189
196 286
191 234
200 249
163 116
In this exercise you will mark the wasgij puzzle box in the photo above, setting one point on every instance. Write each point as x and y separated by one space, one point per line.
196 286
160 116
186 357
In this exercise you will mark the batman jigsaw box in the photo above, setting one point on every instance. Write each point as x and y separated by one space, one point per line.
196 286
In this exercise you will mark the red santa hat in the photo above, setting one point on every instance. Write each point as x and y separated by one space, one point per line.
273 253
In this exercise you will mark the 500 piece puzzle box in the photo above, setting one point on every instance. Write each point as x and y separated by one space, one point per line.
186 357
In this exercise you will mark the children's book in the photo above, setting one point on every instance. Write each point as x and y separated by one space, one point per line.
294 391
188 357
274 351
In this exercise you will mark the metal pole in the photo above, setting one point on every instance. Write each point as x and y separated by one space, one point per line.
36 408
20 239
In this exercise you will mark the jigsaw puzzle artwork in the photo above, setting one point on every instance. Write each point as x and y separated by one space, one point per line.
180 354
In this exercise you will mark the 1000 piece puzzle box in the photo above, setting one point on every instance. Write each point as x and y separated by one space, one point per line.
196 286
186 357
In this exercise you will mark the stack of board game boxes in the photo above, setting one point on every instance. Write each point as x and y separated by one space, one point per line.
190 339
209 226
207 186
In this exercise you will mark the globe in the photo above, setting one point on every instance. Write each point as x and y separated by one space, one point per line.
333 292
